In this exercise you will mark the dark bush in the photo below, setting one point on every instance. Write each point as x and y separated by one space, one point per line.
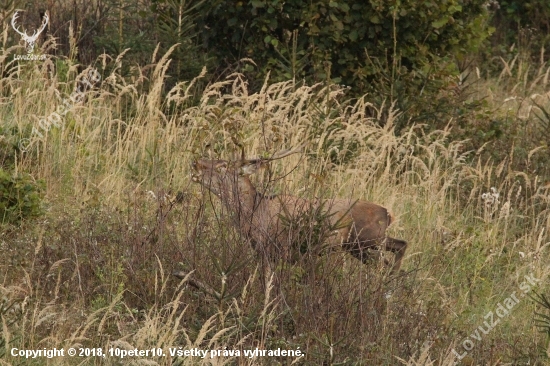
20 197
342 40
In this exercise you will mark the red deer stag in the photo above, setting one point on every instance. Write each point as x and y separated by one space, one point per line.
359 226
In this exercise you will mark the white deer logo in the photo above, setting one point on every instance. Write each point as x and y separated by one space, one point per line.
30 40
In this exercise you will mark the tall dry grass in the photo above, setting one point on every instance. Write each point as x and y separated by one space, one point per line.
121 215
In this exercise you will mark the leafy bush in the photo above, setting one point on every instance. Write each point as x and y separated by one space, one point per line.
175 22
7 152
20 197
320 40
522 22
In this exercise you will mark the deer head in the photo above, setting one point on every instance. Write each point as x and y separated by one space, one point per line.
230 178
30 40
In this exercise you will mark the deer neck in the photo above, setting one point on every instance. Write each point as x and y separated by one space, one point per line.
248 206
245 196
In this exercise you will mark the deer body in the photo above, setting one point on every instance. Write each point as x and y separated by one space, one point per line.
359 225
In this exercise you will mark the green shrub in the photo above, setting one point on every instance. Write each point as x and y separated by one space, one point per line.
523 22
20 197
335 39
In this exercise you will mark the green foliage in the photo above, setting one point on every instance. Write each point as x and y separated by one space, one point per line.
20 197
114 278
321 40
522 22
7 149
125 26
542 319
175 22
311 228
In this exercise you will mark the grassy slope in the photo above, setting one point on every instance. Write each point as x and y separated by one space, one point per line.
95 269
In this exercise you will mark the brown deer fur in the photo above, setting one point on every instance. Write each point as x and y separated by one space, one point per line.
361 226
